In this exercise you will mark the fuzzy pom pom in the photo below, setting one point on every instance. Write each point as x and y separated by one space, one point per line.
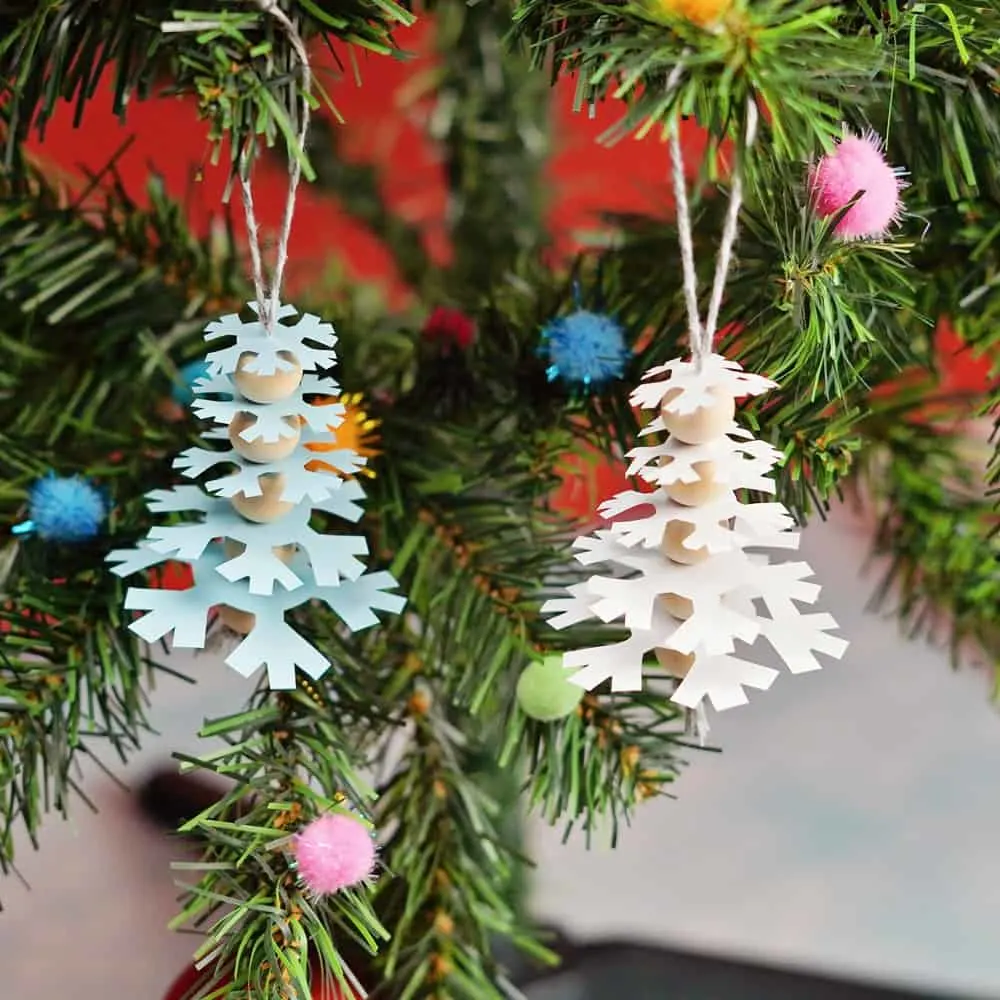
858 164
585 348
183 391
66 508
449 328
545 692
334 852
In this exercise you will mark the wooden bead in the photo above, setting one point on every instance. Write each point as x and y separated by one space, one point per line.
672 545
674 663
268 506
267 388
240 622
285 553
261 450
703 490
679 607
707 423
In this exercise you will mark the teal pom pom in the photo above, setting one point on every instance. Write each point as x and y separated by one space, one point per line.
183 391
66 508
585 348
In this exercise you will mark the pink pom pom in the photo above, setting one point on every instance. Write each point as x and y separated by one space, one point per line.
858 164
334 852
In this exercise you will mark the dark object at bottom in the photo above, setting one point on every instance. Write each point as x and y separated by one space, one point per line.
170 799
609 970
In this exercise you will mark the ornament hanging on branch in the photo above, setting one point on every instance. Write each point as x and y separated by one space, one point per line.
688 580
270 559
254 552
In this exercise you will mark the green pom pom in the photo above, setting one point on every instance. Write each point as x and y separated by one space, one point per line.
544 693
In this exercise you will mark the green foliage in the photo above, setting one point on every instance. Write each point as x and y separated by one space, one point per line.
787 55
937 527
235 59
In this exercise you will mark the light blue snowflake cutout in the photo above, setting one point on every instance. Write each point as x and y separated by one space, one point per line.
252 338
254 578
272 643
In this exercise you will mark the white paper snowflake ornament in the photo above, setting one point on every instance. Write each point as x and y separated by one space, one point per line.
270 559
687 582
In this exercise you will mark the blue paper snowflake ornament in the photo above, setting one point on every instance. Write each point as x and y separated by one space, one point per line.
585 348
250 574
64 509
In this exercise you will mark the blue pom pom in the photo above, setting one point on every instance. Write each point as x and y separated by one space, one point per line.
66 509
183 391
585 348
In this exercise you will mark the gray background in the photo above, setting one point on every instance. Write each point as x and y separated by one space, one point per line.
852 824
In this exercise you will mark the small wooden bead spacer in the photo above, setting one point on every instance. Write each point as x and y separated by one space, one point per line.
674 663
707 423
679 607
703 490
267 388
260 450
673 548
240 622
285 553
268 506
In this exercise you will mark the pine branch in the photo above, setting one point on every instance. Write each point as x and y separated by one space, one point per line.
450 899
72 684
787 55
600 764
238 63
102 297
490 115
936 525
289 759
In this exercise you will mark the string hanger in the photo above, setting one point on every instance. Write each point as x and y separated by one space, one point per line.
269 293
701 334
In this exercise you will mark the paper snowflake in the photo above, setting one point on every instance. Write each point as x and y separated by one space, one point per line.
255 578
734 595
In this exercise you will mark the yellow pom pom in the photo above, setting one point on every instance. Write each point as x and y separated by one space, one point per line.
701 12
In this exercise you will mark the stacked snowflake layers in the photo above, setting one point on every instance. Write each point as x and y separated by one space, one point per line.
253 551
686 580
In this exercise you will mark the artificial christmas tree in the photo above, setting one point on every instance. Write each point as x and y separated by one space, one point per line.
505 359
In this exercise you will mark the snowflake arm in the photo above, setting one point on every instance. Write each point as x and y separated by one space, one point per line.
300 482
184 612
625 501
195 462
261 569
334 557
178 498
619 662
182 541
569 610
712 628
276 646
356 601
135 560
722 679
342 502
796 637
